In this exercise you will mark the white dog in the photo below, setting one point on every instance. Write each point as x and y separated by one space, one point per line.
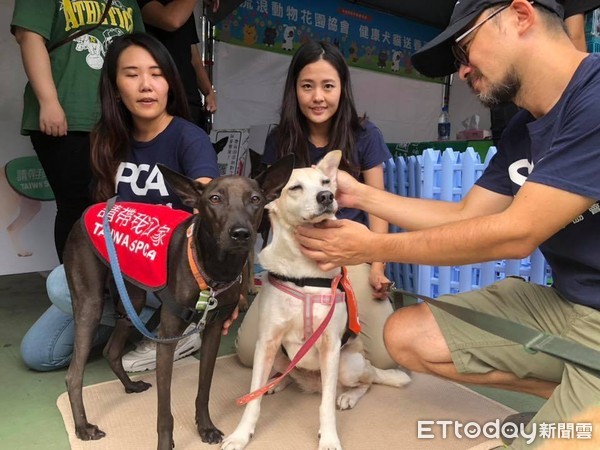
396 58
288 38
284 321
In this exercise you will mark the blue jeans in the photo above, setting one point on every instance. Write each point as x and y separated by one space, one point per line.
48 345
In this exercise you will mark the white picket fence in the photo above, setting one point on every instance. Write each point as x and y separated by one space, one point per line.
449 175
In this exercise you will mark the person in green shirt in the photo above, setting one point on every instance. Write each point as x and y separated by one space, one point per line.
61 103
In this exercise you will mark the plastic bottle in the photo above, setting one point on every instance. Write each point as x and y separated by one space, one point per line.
444 125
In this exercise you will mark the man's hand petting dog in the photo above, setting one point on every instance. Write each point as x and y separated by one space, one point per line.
347 194
335 243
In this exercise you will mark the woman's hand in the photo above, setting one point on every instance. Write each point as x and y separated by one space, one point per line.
227 324
210 102
53 120
379 282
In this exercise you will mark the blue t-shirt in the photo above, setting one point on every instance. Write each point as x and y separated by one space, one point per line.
562 150
370 150
183 147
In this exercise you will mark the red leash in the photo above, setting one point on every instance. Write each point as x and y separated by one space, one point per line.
303 350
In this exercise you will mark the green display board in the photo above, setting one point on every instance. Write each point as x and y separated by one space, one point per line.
27 177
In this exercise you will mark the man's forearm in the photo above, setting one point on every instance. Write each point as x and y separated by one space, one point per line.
405 212
475 240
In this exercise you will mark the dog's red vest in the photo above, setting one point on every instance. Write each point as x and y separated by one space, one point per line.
141 233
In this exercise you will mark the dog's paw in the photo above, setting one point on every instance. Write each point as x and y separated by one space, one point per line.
348 400
135 387
330 443
210 435
89 432
236 441
394 377
280 386
274 390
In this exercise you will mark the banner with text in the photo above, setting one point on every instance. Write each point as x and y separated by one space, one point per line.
367 38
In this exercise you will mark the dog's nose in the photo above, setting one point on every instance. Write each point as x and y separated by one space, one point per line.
239 233
325 198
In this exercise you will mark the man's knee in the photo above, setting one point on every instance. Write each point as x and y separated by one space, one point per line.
407 334
399 335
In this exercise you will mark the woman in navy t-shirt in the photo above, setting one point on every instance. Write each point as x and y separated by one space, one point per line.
142 124
318 115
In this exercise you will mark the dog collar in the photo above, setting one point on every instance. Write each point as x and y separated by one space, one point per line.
193 259
208 293
302 282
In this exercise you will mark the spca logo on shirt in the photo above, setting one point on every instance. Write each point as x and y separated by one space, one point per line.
519 171
141 179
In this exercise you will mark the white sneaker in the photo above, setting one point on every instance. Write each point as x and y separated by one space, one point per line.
143 357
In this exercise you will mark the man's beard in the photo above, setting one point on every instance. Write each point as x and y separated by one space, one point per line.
504 92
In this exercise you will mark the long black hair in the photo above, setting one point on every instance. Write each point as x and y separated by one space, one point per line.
292 131
111 138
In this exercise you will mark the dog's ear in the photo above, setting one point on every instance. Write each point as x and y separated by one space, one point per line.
273 180
188 190
330 163
220 144
256 166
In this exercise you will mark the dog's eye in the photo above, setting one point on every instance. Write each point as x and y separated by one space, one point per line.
255 199
215 199
326 182
296 187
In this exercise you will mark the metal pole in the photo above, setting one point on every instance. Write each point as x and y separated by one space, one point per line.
208 41
446 91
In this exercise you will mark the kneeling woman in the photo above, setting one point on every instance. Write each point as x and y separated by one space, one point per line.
143 123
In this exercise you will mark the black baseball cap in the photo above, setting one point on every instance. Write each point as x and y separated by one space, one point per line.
436 59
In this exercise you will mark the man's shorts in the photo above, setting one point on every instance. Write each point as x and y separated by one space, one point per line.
475 351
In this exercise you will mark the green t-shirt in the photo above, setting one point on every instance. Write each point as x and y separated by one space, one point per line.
75 65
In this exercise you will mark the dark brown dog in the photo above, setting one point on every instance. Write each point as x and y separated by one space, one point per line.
230 209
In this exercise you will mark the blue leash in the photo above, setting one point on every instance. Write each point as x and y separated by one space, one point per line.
118 277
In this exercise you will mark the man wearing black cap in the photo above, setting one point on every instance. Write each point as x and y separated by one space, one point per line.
575 12
541 189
